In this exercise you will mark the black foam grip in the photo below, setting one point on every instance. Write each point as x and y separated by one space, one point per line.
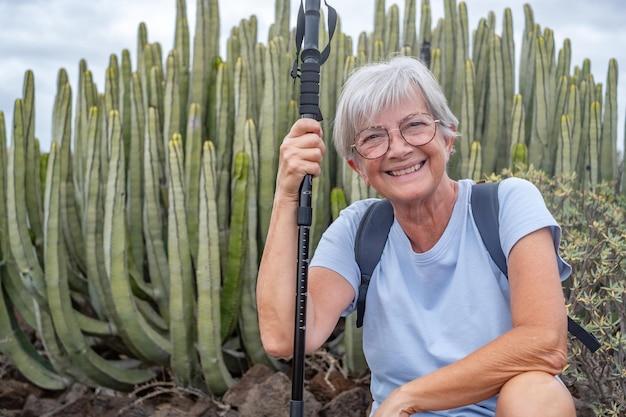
309 99
310 87
310 77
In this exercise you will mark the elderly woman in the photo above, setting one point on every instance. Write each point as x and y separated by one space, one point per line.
445 333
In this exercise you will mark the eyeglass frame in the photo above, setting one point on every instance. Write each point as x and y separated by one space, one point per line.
435 122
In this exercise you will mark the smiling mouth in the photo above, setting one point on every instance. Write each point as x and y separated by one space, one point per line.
406 171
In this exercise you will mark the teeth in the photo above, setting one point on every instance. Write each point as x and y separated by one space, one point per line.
407 170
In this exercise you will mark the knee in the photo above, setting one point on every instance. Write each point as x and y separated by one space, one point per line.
534 394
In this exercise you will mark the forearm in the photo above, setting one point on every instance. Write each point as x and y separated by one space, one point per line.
481 374
276 284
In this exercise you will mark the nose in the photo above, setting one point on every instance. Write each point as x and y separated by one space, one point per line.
398 147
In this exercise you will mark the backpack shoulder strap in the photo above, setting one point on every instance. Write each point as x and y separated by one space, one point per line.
371 238
485 210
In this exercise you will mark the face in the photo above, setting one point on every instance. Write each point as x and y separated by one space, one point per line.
405 173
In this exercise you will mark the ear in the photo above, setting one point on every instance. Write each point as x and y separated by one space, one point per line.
354 164
451 140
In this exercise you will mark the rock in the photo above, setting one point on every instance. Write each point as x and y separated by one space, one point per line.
34 407
326 388
202 407
75 392
168 410
13 394
351 403
237 393
271 399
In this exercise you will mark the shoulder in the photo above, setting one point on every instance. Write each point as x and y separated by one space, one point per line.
353 214
513 186
519 195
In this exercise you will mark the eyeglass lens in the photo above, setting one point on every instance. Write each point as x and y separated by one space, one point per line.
373 142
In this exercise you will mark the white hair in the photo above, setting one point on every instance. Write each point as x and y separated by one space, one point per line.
375 87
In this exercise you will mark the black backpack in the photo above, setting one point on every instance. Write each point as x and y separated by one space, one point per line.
371 238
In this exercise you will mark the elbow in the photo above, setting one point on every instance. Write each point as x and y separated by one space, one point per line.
275 347
552 351
277 351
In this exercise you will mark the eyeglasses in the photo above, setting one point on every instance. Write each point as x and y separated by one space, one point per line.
417 130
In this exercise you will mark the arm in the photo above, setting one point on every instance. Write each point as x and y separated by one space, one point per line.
537 342
328 293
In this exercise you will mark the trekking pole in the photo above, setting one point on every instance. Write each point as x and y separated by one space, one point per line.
307 35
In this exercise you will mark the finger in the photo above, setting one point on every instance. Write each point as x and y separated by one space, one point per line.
307 141
303 126
299 168
295 155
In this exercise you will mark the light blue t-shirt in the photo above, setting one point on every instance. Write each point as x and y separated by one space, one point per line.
427 310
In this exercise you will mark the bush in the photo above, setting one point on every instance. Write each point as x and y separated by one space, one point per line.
594 243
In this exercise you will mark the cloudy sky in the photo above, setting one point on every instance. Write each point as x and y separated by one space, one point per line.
45 35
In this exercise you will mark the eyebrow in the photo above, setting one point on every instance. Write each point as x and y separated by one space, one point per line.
404 119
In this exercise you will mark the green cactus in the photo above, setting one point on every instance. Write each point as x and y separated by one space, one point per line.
14 343
33 196
282 9
593 161
231 291
539 149
138 335
563 159
70 208
208 273
248 317
173 107
494 154
353 336
436 64
409 34
392 30
461 49
449 34
573 110
480 58
22 247
22 354
192 167
99 290
223 145
475 165
508 68
134 189
564 59
98 370
379 21
425 34
182 295
466 127
582 149
269 130
608 142
181 46
517 132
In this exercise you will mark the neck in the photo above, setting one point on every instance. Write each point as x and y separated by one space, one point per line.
424 221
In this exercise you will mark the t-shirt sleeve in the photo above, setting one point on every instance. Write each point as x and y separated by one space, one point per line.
522 211
335 249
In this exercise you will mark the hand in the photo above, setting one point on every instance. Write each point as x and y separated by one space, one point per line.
300 153
395 405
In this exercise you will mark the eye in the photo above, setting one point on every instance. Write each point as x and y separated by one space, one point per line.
415 123
373 136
